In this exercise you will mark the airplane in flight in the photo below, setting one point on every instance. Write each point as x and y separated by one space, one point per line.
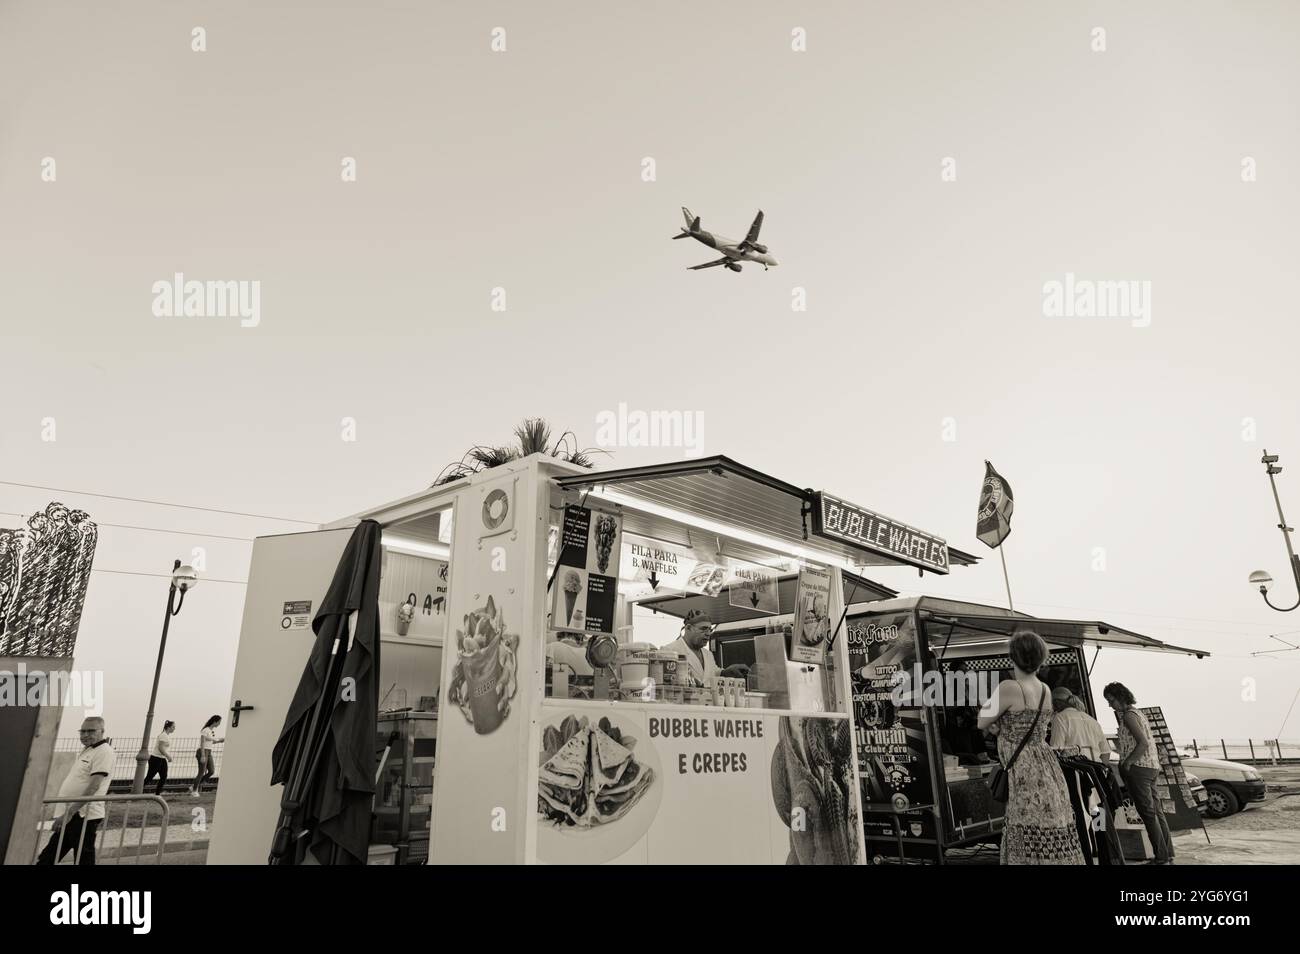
733 252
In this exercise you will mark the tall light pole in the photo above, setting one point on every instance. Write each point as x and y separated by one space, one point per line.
183 578
1261 576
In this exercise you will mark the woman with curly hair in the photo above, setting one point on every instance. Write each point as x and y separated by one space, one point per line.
1139 765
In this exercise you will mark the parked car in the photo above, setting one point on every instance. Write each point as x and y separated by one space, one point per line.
1200 797
1229 786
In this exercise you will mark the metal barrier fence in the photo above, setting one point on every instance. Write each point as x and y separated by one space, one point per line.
180 773
1250 751
53 845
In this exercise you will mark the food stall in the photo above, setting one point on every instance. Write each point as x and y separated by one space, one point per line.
633 666
920 669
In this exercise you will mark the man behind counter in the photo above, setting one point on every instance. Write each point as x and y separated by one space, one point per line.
693 643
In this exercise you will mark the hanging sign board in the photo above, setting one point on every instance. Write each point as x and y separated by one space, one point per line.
586 581
838 519
656 562
812 600
753 587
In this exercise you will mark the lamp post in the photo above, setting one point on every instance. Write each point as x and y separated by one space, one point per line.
1261 576
183 578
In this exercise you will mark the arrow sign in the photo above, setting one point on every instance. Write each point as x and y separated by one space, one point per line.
654 580
752 587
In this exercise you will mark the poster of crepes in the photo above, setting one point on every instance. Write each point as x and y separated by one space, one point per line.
893 758
812 600
585 590
657 785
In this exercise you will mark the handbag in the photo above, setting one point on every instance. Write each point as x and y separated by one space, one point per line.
1000 781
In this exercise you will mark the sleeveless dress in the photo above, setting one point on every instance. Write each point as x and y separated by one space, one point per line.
1127 743
1039 828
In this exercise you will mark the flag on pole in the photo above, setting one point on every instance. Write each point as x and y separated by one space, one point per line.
996 504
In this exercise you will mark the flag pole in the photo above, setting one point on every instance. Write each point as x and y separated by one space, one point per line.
1006 579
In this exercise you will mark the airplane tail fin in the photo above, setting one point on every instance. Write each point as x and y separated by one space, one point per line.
692 221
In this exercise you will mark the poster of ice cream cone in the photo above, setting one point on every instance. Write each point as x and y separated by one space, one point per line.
812 599
585 582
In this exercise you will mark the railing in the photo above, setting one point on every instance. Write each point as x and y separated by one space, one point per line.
1249 751
180 773
100 847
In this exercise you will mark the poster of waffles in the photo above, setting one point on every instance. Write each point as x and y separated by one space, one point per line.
598 789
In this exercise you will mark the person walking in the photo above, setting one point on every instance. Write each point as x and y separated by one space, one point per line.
1139 766
161 757
1039 825
207 768
77 823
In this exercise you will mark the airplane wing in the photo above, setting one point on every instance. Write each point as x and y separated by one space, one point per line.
752 237
721 261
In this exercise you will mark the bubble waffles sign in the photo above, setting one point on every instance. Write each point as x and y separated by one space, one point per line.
840 520
585 586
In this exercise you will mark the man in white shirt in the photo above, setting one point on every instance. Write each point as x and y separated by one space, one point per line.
693 643
77 823
1072 727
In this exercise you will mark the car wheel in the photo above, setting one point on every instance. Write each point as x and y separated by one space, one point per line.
1221 801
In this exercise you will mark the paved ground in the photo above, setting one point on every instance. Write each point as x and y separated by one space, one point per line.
1266 833
189 826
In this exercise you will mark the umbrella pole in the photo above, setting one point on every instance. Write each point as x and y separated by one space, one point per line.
305 759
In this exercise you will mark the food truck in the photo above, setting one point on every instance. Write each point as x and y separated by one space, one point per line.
643 665
920 669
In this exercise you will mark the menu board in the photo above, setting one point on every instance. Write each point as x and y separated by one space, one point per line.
585 588
893 757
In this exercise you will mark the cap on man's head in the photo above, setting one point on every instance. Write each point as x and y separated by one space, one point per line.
697 616
1062 693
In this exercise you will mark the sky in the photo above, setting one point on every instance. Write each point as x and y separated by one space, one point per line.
1160 152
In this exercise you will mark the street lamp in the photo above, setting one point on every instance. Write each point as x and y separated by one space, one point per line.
1261 577
183 579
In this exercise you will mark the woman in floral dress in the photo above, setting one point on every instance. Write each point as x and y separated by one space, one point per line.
1039 826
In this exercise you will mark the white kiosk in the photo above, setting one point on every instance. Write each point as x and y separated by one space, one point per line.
573 723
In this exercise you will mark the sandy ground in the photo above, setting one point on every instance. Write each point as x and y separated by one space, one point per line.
1266 833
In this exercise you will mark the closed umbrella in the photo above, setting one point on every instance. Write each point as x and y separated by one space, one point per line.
325 756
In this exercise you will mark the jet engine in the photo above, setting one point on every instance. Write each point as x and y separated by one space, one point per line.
761 249
735 267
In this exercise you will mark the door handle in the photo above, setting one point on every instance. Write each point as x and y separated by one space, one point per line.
237 708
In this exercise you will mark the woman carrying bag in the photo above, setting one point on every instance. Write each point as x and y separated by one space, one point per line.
1039 825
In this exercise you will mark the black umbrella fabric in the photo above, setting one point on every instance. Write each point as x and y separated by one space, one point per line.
325 756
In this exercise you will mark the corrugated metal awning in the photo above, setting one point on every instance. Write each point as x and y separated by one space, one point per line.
722 491
1072 631
720 610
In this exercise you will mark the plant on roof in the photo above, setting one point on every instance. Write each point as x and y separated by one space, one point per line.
532 436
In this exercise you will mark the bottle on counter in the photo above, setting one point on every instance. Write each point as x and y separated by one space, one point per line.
560 682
